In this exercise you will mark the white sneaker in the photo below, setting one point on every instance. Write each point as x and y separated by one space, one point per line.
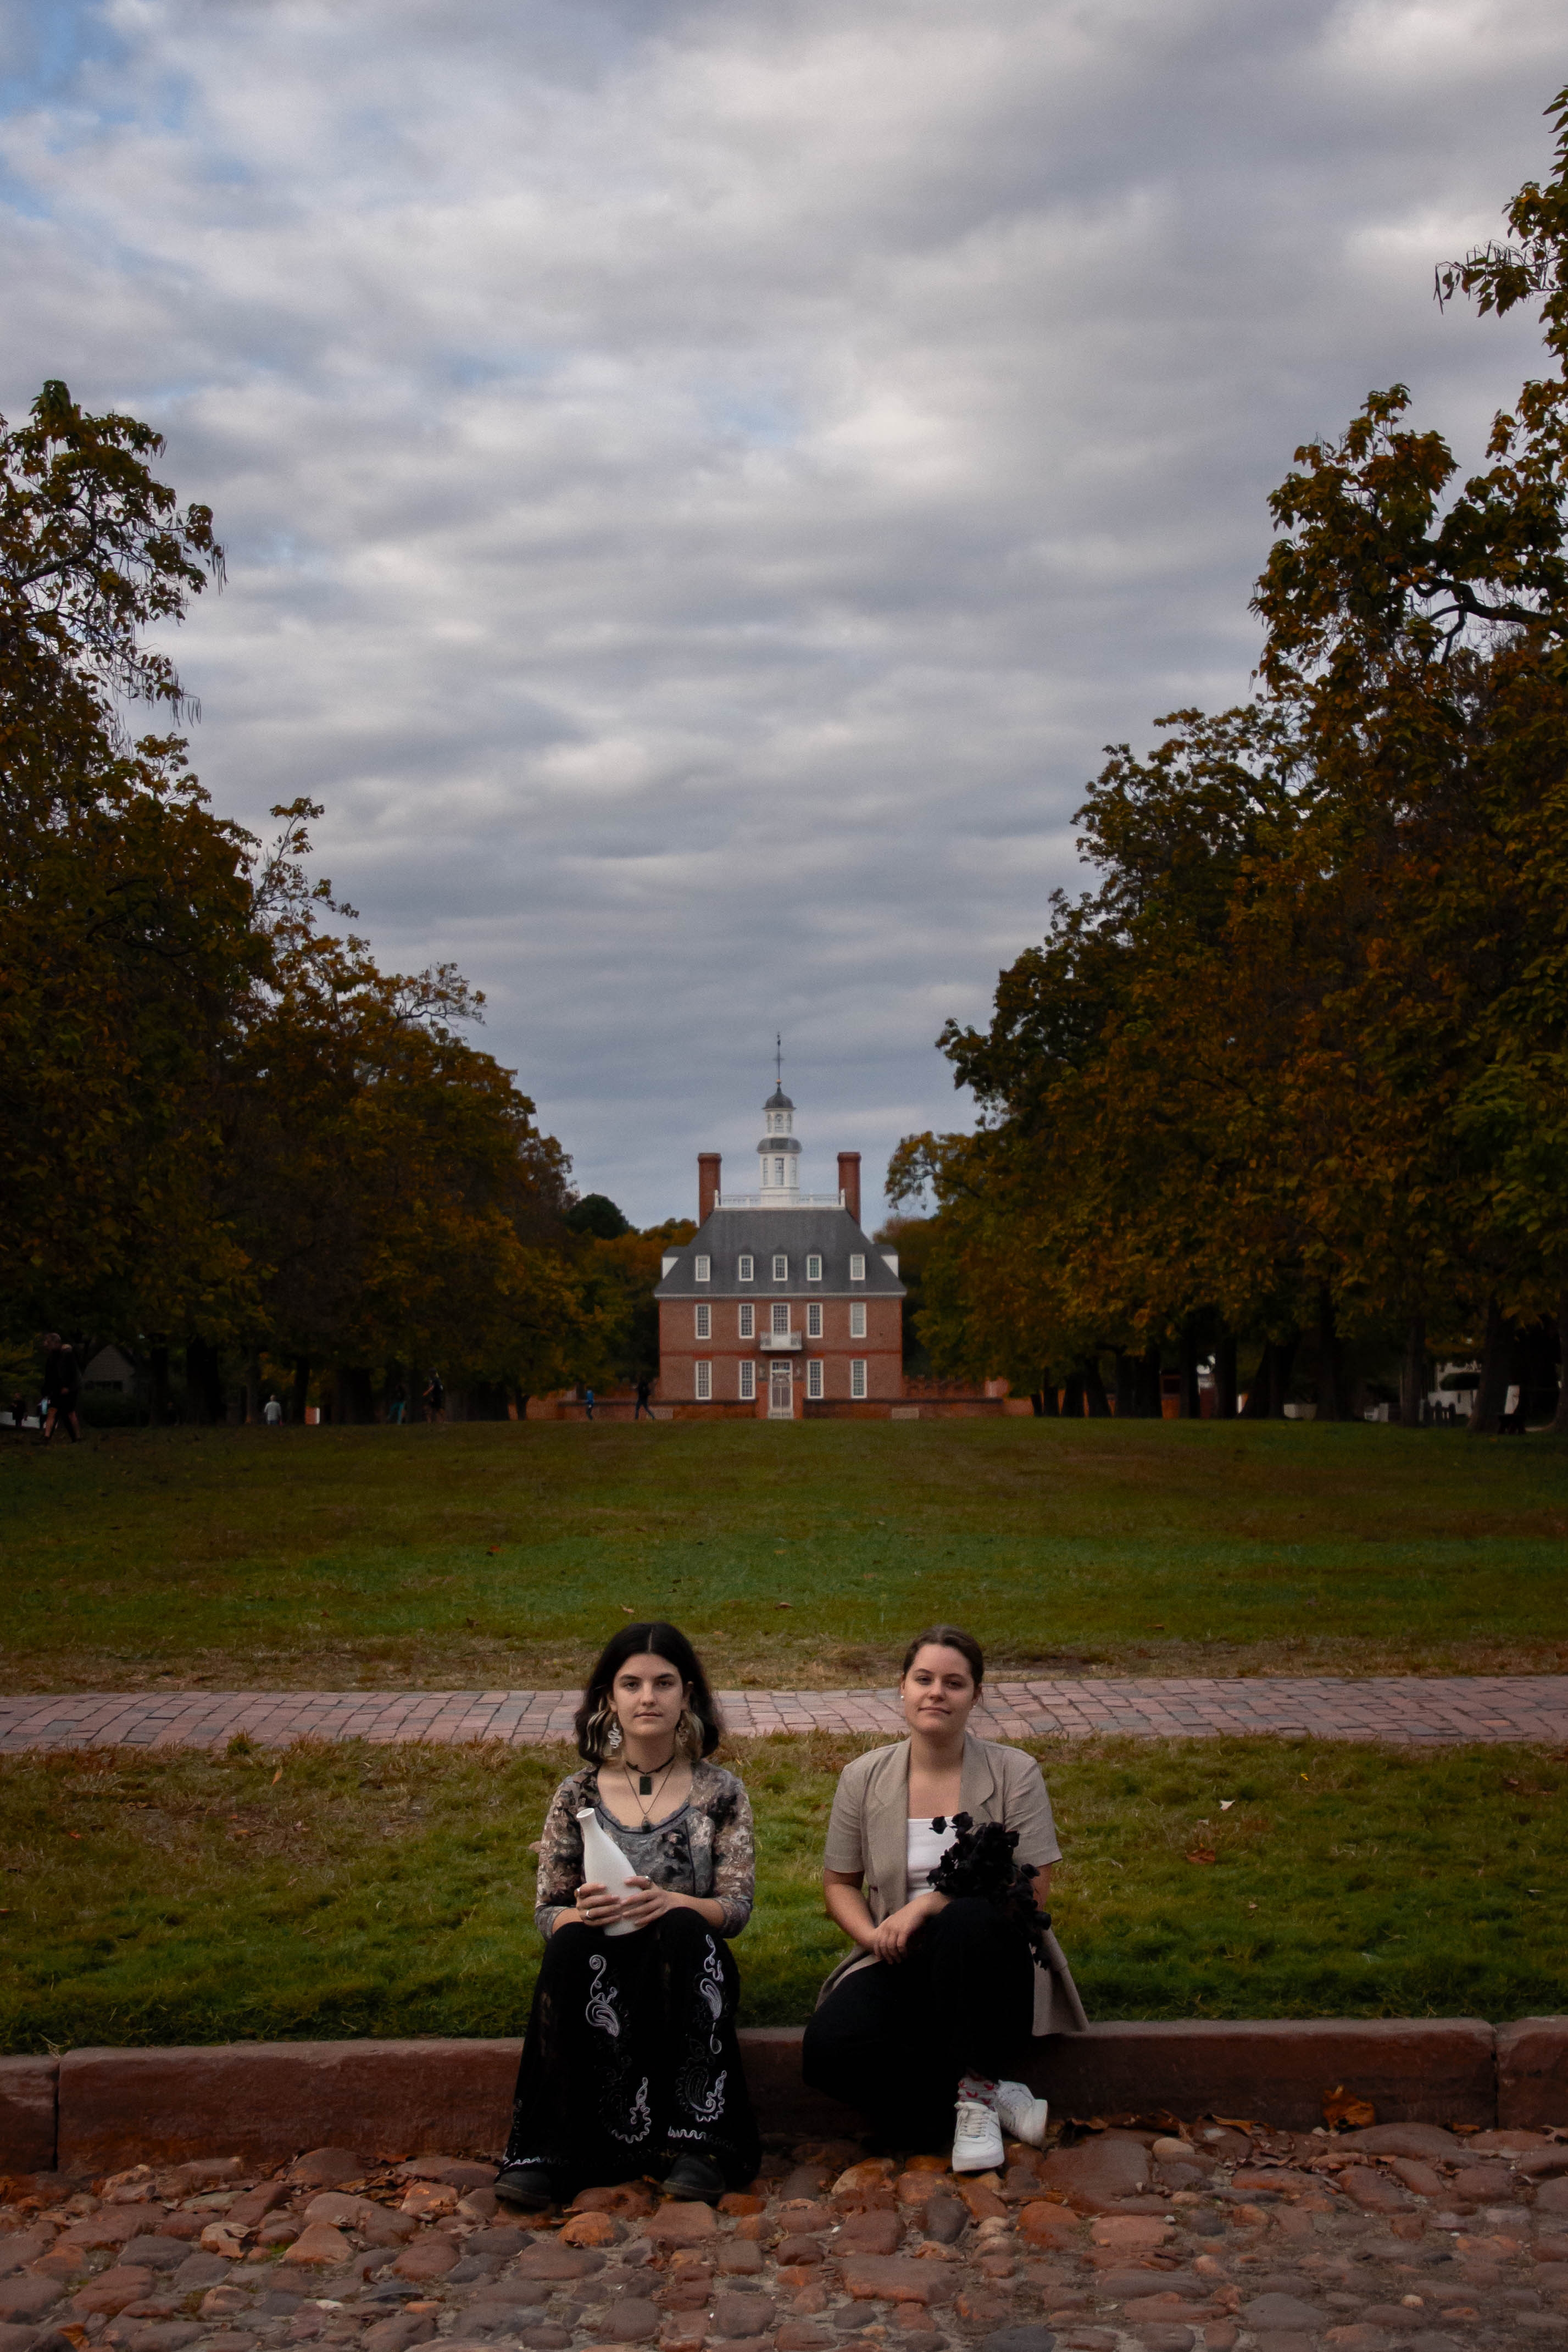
1022 2116
976 2137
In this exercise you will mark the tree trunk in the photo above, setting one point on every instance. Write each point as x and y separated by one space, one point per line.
1072 1396
253 1388
302 1389
1560 1419
1496 1364
1225 1374
1150 1394
1261 1387
1280 1372
1094 1398
1126 1385
158 1370
1412 1373
1044 1399
1333 1404
354 1401
203 1386
1191 1403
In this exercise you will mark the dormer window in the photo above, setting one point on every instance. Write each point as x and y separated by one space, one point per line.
856 1268
814 1269
703 1269
781 1267
746 1271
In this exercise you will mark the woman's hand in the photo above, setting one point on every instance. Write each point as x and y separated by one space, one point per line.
891 1941
649 1903
593 1906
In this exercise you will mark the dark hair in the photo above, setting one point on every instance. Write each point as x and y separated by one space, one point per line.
660 1641
947 1637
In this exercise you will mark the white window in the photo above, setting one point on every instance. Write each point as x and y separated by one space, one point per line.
703 1269
780 1315
857 1319
814 1319
704 1315
857 1269
856 1376
748 1319
814 1378
748 1381
781 1268
705 1379
778 1171
813 1269
747 1267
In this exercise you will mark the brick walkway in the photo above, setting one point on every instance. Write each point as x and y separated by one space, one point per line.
1405 1709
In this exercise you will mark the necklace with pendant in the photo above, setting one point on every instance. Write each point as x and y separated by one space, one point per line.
644 1787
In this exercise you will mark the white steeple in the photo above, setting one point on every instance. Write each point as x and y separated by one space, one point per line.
778 1153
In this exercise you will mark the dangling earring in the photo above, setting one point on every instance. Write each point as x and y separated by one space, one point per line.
689 1734
604 1731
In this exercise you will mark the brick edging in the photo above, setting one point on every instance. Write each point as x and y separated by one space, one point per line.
92 2111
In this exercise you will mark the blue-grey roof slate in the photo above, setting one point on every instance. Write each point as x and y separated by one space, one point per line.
831 1234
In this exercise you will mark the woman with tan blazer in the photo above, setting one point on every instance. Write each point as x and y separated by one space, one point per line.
926 2028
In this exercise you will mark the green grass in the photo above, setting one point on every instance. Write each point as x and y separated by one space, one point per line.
503 1554
356 1890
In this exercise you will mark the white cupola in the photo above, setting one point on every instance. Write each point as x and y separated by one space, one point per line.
778 1153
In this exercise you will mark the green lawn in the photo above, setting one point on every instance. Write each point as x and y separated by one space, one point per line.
354 1890
503 1554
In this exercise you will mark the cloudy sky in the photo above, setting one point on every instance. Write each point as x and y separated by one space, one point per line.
702 479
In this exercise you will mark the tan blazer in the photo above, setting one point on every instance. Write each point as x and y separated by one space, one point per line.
869 1834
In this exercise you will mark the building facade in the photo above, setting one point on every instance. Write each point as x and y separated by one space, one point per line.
780 1307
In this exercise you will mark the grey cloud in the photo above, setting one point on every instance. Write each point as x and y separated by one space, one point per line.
702 481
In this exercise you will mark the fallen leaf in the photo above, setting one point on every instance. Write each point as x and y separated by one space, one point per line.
1200 1853
784 1604
493 1550
1343 2106
624 1610
1226 1803
277 1776
74 1833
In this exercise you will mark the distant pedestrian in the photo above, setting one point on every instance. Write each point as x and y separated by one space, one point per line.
62 1387
588 1399
435 1400
397 1405
272 1413
645 1391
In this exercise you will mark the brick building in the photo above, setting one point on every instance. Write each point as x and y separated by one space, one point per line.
780 1307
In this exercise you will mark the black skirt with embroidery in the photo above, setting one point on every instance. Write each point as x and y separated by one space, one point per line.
631 2057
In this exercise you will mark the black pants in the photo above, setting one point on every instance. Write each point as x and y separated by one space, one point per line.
895 2038
631 2059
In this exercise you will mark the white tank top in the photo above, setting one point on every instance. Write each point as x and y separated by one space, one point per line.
923 1850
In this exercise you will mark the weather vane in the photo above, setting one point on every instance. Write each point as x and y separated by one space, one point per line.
778 1058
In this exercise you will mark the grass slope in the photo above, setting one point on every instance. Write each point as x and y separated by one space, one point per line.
358 1890
501 1554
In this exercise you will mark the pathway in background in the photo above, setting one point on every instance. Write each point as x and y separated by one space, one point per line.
1440 1711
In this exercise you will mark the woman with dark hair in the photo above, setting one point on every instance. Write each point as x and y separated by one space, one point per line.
630 2064
926 2028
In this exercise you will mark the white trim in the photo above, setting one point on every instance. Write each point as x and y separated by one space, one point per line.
779 1319
780 1267
856 1268
747 1391
746 1270
814 1319
814 1267
702 1320
856 1376
704 1370
813 1379
745 1320
857 1319
703 1269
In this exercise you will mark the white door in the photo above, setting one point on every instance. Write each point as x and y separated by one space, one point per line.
781 1401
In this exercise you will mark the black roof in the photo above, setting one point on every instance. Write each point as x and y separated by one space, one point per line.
778 1100
831 1234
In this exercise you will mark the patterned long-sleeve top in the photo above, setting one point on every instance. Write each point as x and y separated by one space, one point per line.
705 1848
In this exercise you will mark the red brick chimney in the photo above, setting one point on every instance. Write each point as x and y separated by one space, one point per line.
850 1181
708 1165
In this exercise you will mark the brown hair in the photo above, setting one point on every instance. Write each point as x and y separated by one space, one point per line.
947 1637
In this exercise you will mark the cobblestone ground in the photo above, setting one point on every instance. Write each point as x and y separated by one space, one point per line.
1218 2239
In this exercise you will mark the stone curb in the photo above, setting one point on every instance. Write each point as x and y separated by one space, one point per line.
95 2110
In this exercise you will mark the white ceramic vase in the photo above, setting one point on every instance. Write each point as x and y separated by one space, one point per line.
604 1864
